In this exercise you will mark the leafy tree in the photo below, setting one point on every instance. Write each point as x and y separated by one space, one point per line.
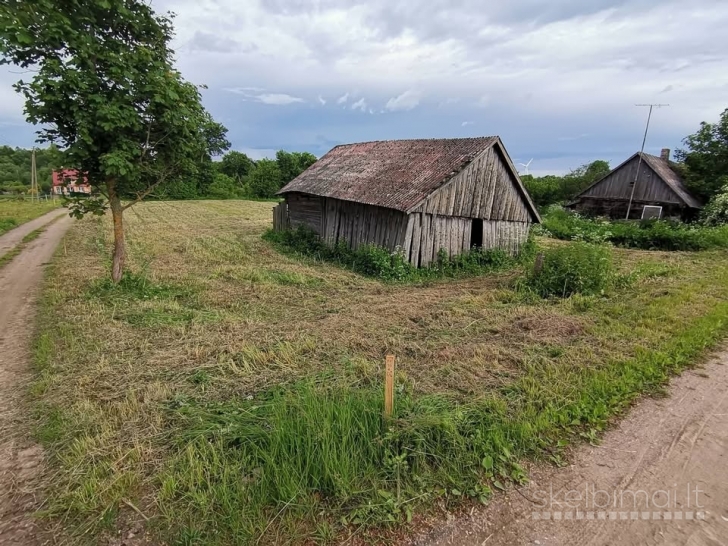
223 187
291 164
265 179
15 165
105 90
236 165
550 189
705 159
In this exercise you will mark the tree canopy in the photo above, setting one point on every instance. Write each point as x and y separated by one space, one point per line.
106 91
550 189
15 167
705 158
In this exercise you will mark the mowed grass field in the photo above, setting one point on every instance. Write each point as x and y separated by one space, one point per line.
225 393
14 212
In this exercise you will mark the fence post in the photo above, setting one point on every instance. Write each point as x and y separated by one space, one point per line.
538 265
389 386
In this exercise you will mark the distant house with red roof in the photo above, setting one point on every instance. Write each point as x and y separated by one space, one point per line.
70 182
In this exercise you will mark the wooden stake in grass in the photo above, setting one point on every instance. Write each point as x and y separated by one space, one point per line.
389 386
538 266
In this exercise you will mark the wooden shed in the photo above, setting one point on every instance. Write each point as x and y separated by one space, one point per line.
413 196
659 191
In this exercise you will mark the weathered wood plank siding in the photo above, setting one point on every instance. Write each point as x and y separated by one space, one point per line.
618 185
430 233
280 217
306 210
485 189
356 224
485 193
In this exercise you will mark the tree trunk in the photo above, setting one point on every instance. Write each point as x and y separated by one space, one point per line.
117 214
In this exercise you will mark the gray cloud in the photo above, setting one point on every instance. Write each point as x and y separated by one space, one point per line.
205 41
548 71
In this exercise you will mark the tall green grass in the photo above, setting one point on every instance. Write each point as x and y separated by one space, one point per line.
579 268
311 454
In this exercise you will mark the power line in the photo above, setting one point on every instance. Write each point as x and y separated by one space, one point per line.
642 150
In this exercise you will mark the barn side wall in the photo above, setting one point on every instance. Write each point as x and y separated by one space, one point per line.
356 224
485 189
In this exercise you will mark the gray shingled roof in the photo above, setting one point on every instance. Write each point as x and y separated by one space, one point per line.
672 179
396 174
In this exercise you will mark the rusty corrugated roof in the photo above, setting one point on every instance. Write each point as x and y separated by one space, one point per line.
397 174
671 178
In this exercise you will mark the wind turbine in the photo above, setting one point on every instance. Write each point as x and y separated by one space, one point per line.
526 165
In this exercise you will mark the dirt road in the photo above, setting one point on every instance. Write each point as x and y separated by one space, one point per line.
659 477
14 236
20 457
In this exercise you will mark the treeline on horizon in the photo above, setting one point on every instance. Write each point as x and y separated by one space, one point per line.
703 164
234 176
550 189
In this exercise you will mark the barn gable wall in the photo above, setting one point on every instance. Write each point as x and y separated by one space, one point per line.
485 189
427 234
617 185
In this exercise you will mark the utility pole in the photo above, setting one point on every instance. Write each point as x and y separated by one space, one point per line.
642 150
34 177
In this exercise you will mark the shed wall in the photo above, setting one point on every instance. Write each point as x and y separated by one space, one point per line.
618 185
305 210
617 208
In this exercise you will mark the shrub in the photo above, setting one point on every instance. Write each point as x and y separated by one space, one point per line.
579 268
222 187
715 212
647 235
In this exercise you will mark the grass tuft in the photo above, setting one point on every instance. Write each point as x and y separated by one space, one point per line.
14 212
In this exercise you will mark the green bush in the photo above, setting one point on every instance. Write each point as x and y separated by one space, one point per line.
646 235
378 262
223 187
715 212
578 268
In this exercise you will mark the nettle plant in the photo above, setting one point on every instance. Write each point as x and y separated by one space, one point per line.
105 90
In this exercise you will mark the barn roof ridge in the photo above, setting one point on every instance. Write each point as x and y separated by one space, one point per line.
397 174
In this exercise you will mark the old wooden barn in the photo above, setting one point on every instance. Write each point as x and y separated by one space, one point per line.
658 191
414 196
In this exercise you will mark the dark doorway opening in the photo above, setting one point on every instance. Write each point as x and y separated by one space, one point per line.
476 233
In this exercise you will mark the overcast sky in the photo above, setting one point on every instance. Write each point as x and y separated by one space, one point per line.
557 79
